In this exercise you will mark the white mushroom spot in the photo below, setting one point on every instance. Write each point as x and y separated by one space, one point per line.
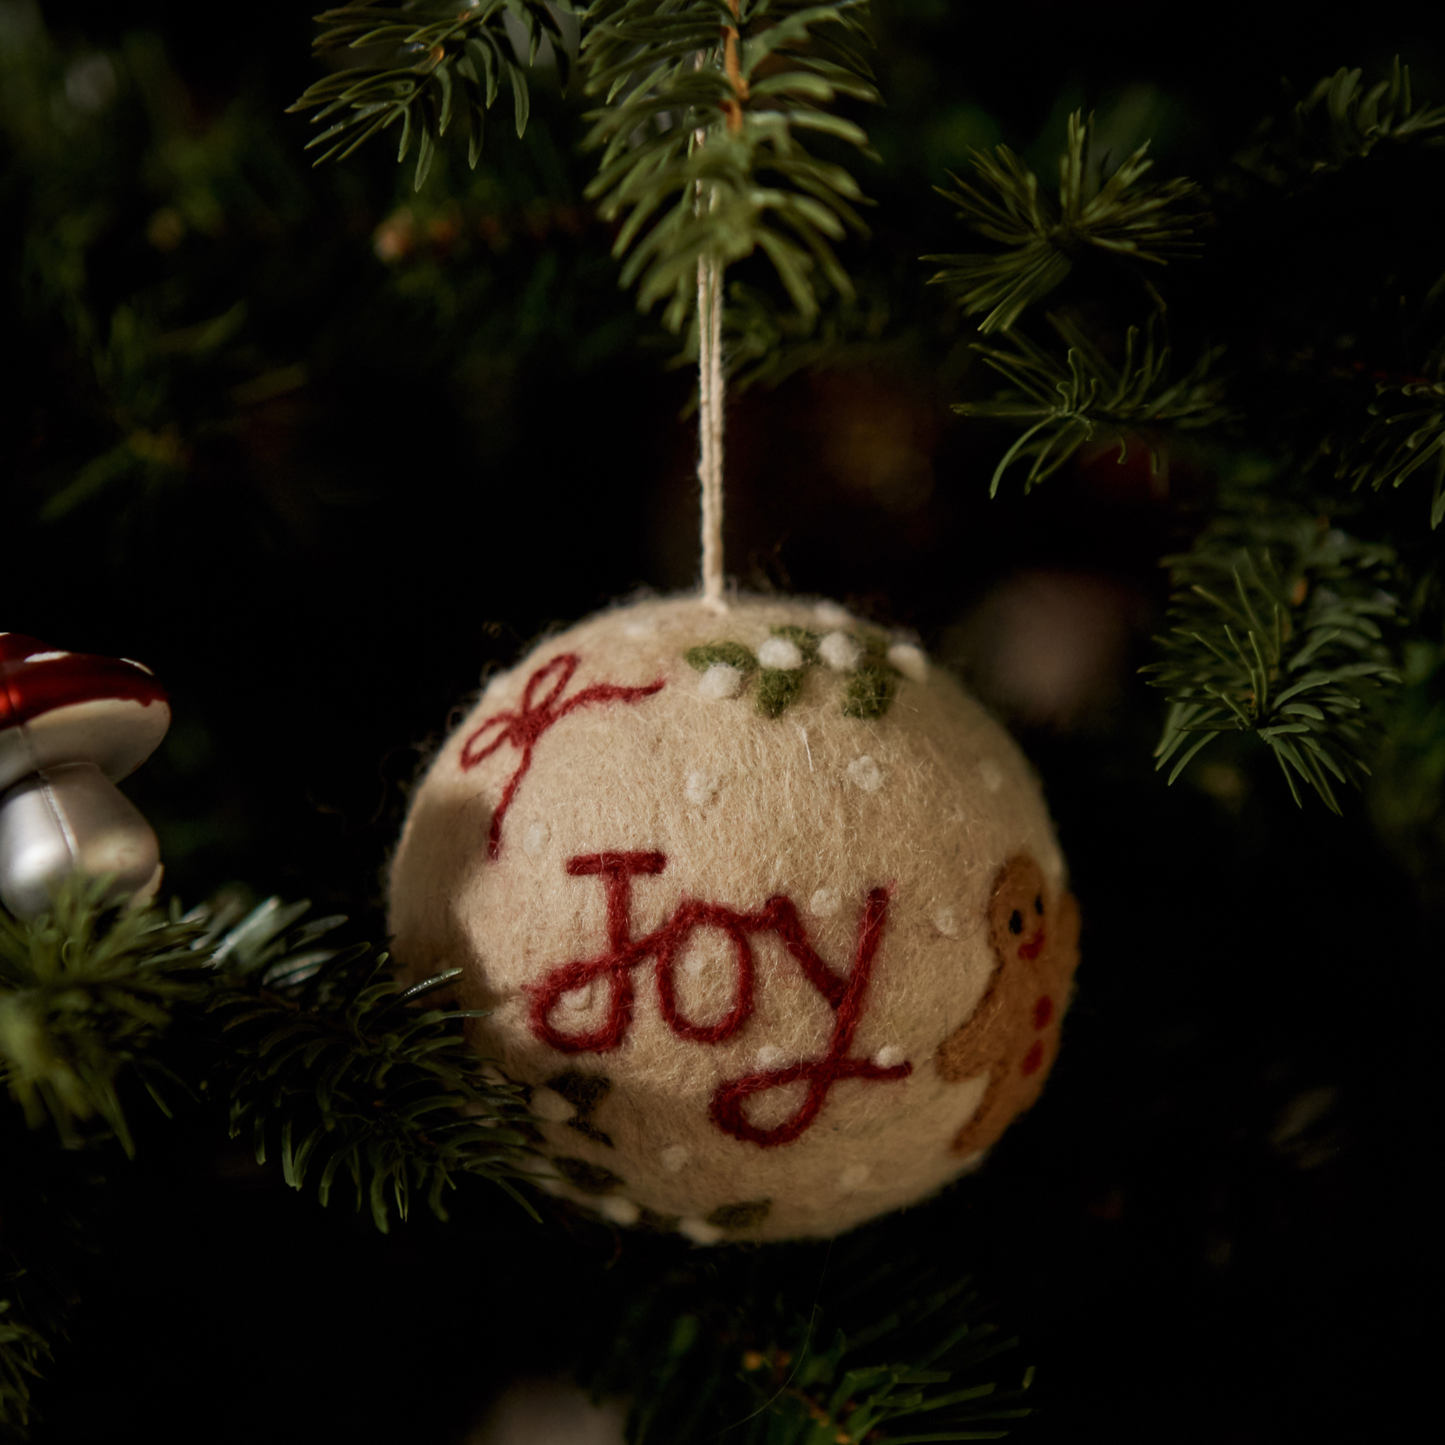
911 661
768 1057
548 1104
619 1210
778 652
674 1158
946 921
700 788
853 1177
830 614
841 652
535 839
991 774
695 962
699 1231
825 902
639 627
578 1000
889 1056
721 680
866 774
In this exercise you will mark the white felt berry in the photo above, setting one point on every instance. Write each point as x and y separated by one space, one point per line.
779 652
911 661
841 652
720 681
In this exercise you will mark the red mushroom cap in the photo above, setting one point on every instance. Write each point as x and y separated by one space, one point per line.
69 707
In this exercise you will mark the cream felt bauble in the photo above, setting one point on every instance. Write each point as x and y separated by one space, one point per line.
767 912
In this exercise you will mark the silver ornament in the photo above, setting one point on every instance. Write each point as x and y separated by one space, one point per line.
71 725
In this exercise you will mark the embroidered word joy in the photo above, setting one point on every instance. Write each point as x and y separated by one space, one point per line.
525 726
845 996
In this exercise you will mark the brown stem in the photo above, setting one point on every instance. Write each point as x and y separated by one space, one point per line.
736 78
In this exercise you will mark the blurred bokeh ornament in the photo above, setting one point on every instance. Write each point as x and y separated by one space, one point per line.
767 912
71 726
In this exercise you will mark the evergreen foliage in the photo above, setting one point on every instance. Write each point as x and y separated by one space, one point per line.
335 1061
23 1350
1293 637
319 1053
1082 397
1120 214
424 64
702 155
1338 121
807 1346
1277 613
86 992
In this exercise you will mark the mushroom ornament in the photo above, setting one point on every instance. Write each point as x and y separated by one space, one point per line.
765 910
71 726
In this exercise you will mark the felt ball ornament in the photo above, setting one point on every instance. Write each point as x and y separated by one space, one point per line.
765 910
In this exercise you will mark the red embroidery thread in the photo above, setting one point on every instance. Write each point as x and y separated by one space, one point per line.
845 996
524 727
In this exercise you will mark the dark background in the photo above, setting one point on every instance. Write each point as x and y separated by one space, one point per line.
456 433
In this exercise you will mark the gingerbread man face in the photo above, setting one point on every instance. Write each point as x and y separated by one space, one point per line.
1017 923
1013 1035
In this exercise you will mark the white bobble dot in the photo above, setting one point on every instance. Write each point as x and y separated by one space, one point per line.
695 962
619 1210
780 653
700 788
853 1177
865 773
991 774
535 839
768 1057
911 661
699 1231
578 1000
841 652
830 614
550 1105
674 1158
825 903
946 921
719 681
889 1056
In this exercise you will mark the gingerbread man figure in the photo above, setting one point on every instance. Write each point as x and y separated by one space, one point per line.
1014 1032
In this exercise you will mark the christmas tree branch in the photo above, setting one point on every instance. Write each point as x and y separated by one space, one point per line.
1283 641
437 61
1339 121
87 991
1122 215
23 1351
332 1062
702 139
1064 402
750 1350
323 1055
1405 435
